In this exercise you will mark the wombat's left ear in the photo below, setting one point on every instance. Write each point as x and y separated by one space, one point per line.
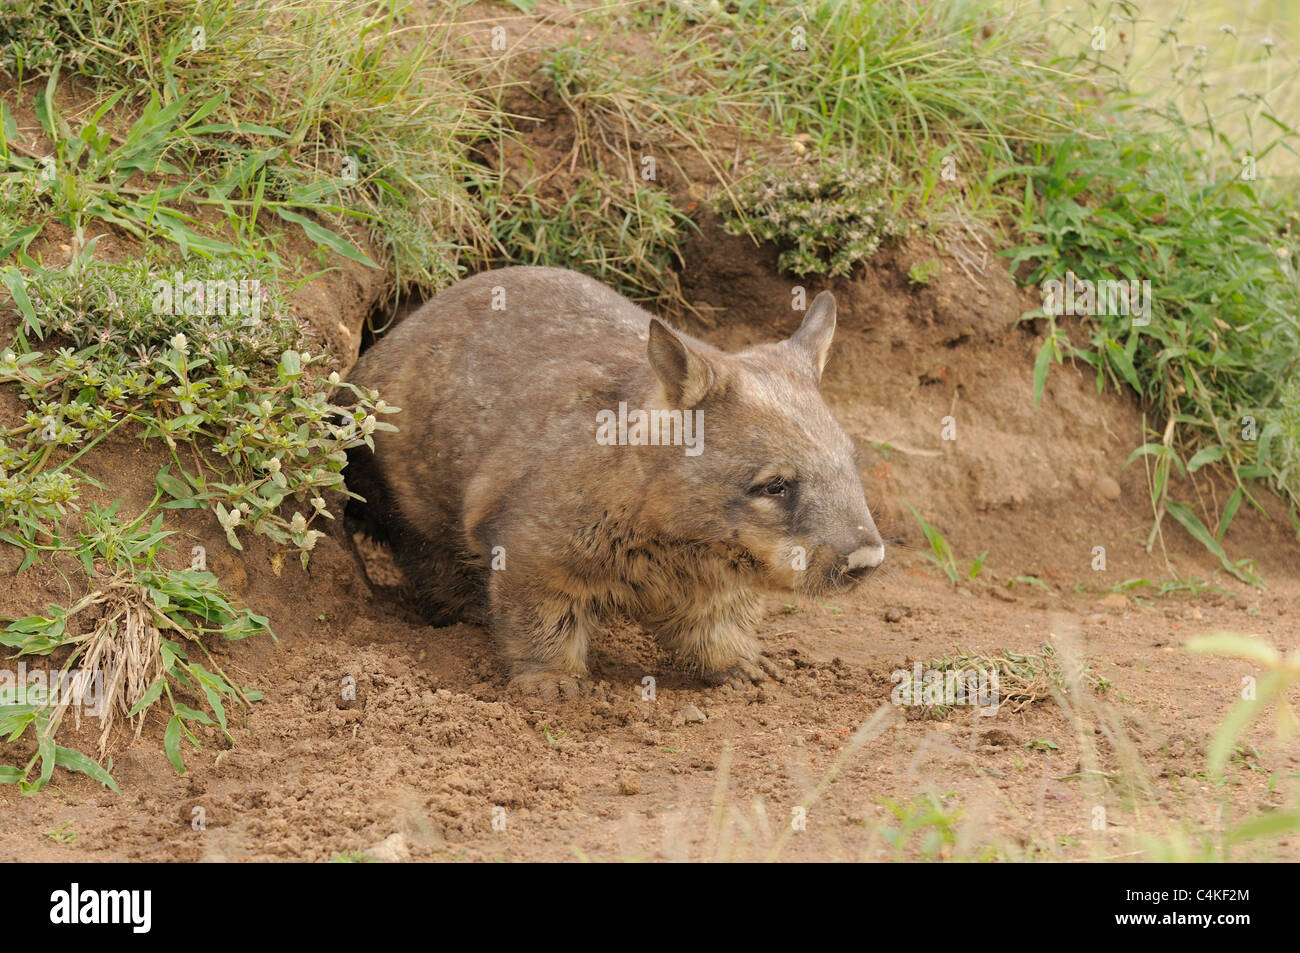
685 375
814 335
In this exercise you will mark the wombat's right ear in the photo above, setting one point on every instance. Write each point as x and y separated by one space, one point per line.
685 375
814 335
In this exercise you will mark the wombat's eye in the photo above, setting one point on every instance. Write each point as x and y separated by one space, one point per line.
775 487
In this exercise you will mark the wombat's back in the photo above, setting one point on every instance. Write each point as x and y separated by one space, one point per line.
499 379
500 331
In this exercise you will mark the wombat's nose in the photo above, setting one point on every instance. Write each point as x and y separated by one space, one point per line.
869 554
868 557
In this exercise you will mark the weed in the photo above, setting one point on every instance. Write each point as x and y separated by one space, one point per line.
928 818
924 272
826 219
63 834
942 556
626 234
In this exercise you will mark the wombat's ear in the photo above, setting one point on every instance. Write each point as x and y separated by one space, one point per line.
685 375
814 335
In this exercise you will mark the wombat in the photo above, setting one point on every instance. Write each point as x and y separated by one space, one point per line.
563 458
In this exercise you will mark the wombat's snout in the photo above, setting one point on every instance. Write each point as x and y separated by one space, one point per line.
867 555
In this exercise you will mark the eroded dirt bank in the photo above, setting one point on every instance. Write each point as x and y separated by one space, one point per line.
432 750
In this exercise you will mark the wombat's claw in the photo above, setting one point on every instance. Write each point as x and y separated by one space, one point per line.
746 671
550 685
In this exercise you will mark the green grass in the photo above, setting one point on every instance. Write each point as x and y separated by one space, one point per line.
1220 354
343 113
233 389
906 84
626 234
941 553
892 79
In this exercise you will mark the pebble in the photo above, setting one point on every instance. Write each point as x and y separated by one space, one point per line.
692 715
390 850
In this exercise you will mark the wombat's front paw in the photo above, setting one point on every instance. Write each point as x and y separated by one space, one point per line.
746 671
550 685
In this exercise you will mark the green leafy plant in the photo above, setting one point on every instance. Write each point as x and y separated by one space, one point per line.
260 428
826 218
144 638
1167 463
1172 199
928 819
924 272
88 176
63 834
333 142
942 556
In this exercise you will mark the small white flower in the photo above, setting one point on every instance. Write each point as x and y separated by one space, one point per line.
273 465
298 524
309 541
179 342
334 377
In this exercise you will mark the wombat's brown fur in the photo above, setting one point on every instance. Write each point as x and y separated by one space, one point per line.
496 483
